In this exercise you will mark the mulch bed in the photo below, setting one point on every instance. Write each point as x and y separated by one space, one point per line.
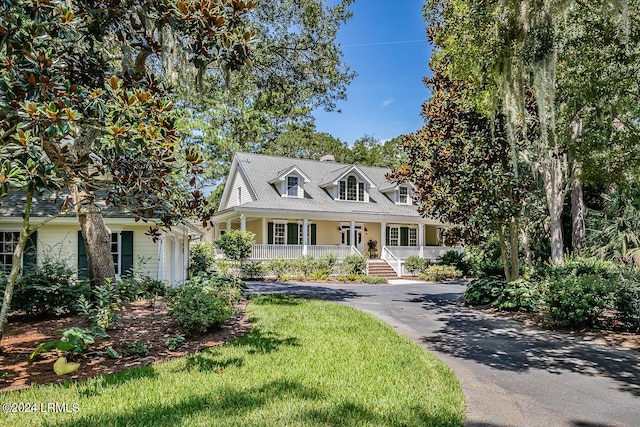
144 321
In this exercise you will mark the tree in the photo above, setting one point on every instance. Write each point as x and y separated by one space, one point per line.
370 151
236 245
460 165
76 115
306 144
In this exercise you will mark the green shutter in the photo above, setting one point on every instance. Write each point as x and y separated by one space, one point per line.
126 254
83 265
388 236
292 234
404 236
313 234
270 233
30 257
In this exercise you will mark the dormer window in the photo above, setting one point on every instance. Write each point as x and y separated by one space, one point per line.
404 196
352 189
293 186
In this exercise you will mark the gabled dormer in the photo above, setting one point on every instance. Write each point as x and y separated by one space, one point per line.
349 184
400 194
290 182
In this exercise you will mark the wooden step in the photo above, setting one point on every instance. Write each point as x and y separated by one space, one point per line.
381 268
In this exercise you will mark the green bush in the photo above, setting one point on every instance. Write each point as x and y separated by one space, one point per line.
137 349
253 270
372 280
416 265
236 245
201 258
455 259
222 267
484 291
103 310
436 273
485 260
581 266
175 343
519 294
48 288
577 300
627 299
354 264
280 267
204 303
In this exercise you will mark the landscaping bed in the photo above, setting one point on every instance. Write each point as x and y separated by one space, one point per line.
144 321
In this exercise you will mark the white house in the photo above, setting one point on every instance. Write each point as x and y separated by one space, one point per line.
166 259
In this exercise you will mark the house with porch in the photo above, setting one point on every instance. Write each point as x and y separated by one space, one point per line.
60 238
298 207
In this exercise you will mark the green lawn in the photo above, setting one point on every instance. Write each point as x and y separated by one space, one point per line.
305 363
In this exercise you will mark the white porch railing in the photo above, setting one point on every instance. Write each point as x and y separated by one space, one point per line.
396 255
263 252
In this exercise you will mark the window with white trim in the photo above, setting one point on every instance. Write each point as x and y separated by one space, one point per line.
394 236
403 198
300 231
115 252
239 195
279 233
352 189
293 186
8 243
413 237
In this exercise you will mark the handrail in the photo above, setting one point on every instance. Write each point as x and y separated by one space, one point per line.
397 265
355 251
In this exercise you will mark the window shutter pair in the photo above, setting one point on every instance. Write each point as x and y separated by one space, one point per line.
126 255
292 233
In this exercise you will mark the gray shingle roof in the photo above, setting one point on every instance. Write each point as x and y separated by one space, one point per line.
12 205
260 169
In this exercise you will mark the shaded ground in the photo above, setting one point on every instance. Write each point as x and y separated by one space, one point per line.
143 322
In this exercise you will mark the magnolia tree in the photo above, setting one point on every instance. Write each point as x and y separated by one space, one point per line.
83 108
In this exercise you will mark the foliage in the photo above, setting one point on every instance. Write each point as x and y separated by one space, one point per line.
137 349
203 303
307 267
139 285
484 259
253 270
436 273
354 264
580 266
519 295
627 299
372 280
175 343
222 267
455 259
105 307
414 264
48 288
576 300
236 245
484 291
201 258
279 267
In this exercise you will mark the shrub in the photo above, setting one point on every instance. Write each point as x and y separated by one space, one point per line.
48 288
519 294
137 349
627 299
577 300
202 303
455 259
280 267
236 244
436 273
373 280
222 267
175 343
484 291
253 270
201 258
581 266
485 260
354 264
416 265
106 306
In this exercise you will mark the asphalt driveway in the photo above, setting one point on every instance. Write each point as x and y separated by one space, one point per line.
511 374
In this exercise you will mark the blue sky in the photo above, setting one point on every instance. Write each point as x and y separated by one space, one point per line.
385 43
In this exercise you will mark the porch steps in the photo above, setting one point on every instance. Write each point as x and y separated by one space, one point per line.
381 268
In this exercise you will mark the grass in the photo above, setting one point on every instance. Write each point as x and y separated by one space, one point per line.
305 363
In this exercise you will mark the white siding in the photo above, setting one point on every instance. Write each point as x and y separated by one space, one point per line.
238 182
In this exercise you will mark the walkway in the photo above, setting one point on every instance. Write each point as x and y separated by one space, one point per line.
511 375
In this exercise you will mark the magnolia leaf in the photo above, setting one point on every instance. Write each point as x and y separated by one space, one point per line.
112 353
62 367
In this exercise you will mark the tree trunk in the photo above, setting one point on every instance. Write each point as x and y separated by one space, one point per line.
554 190
15 267
97 238
514 244
577 216
528 259
503 254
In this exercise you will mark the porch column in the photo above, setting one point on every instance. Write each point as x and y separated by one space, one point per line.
352 233
421 239
383 235
243 222
228 225
264 231
305 235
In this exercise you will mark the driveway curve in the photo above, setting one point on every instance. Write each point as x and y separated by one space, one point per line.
511 374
